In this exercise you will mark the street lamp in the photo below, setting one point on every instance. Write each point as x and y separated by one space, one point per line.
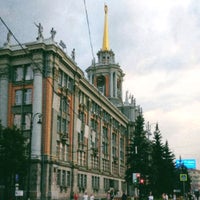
33 116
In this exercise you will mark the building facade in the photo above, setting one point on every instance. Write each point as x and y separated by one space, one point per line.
195 179
79 144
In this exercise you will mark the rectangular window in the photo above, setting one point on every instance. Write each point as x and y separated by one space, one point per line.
65 78
66 152
18 74
122 149
28 96
29 73
94 124
27 121
64 105
59 177
60 78
106 183
82 180
18 97
68 178
58 149
114 139
17 120
58 124
105 148
63 178
63 128
70 84
80 137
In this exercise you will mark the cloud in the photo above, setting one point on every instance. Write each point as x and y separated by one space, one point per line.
155 42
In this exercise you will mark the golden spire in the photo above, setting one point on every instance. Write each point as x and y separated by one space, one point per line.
105 35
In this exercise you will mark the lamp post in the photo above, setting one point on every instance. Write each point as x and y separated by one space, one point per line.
33 116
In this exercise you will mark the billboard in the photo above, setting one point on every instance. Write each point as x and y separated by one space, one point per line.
189 163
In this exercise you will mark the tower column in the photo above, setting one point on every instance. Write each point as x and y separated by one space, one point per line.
111 84
90 77
115 82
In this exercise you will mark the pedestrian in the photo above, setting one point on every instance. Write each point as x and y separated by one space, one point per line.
108 195
124 196
174 196
164 196
150 197
85 196
91 197
112 195
76 196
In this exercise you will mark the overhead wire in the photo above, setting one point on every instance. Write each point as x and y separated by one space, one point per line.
37 65
89 32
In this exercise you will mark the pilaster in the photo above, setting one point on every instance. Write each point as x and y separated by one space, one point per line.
4 96
37 108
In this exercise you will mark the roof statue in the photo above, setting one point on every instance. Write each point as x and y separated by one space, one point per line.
73 55
105 46
7 43
40 30
53 33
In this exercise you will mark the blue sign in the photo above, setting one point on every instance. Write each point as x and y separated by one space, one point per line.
189 163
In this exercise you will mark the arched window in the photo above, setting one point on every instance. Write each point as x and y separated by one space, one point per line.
101 84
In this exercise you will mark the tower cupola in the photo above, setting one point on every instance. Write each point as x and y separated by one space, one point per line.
107 75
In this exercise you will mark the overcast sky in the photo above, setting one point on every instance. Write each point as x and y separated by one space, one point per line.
156 43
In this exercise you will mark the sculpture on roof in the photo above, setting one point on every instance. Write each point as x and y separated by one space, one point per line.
40 30
73 55
53 33
9 34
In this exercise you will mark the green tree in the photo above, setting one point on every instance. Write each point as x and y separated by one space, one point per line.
13 154
163 169
138 152
156 175
169 169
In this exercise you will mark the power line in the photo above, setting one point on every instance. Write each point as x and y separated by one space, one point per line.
38 66
88 25
25 50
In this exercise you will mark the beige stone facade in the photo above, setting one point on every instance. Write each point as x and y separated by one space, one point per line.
81 143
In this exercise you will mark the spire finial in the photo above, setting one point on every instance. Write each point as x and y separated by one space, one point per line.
105 35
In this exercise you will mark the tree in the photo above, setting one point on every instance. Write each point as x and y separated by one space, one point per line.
138 152
156 175
169 169
13 154
163 174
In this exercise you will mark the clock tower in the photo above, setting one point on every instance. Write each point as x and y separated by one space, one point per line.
106 74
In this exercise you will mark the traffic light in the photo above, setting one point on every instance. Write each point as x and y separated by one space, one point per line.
138 175
141 181
136 178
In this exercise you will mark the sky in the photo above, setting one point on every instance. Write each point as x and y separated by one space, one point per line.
156 43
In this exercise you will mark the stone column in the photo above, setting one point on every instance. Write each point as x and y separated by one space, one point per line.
4 96
100 141
115 95
110 147
36 112
111 84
